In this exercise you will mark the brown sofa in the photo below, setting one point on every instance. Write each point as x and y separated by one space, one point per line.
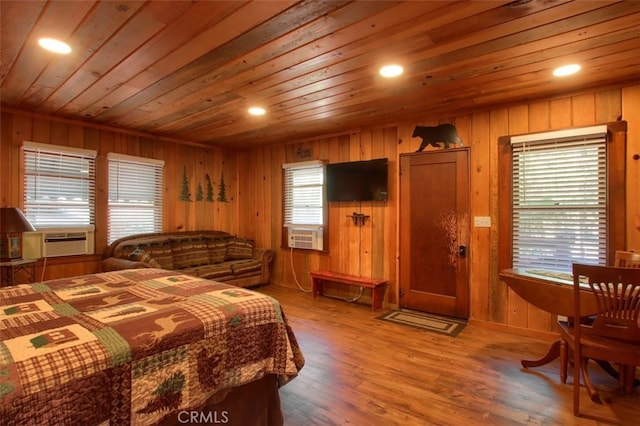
213 255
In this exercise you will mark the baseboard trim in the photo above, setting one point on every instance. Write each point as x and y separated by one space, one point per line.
526 332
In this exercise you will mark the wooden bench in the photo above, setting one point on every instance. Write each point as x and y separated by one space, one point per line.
377 285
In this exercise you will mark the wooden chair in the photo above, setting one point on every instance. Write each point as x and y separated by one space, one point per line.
614 334
627 259
623 259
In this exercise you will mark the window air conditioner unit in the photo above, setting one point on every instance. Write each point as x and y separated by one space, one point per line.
305 238
59 242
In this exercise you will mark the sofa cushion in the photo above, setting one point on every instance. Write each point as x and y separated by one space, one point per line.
189 251
210 272
158 249
239 248
140 255
161 252
217 249
244 266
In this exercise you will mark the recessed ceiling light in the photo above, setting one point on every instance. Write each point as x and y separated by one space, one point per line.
257 111
54 45
391 70
566 70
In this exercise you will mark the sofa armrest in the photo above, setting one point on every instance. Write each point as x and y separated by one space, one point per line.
117 264
265 256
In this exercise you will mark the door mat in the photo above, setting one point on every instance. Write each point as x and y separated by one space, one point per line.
425 321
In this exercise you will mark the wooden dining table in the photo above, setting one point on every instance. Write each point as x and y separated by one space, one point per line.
552 292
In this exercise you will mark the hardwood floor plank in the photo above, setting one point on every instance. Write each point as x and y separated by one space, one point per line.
363 371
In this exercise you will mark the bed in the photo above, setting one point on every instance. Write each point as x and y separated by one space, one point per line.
142 347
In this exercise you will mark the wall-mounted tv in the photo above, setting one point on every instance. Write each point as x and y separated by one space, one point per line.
358 180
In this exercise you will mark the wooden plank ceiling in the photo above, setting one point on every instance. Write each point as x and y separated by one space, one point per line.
189 70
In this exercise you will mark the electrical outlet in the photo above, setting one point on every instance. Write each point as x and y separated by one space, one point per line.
482 221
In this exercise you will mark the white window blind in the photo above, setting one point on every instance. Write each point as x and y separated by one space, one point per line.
59 185
559 199
135 195
304 193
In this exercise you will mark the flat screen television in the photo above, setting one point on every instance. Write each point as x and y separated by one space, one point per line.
358 180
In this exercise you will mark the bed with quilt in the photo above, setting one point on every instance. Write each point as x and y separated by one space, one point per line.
142 347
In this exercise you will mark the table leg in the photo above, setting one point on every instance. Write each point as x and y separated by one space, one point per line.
552 353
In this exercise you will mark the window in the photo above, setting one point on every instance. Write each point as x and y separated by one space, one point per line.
559 199
59 185
304 207
135 196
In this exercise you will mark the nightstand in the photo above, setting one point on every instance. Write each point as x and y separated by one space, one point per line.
11 268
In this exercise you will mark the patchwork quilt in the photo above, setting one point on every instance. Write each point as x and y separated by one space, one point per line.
134 346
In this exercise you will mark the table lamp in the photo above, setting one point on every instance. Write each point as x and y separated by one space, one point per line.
12 224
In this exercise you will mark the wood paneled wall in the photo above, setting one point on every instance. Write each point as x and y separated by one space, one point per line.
196 161
253 181
372 250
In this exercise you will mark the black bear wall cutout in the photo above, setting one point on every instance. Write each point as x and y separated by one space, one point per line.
431 135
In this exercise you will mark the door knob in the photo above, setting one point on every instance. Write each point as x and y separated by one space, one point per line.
462 251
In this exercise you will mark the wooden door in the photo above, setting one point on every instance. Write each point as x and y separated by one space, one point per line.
434 232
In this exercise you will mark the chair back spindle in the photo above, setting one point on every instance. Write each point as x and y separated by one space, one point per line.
619 306
627 259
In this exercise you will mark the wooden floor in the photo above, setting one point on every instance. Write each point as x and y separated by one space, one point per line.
364 371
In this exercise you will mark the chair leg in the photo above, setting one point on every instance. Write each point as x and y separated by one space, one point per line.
576 382
593 393
622 372
628 376
564 360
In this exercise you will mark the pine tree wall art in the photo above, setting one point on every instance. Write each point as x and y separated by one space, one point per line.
209 188
185 194
222 190
199 192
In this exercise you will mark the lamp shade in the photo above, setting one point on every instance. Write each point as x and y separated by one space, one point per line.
13 220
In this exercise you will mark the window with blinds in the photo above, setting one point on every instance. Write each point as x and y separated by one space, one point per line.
59 185
559 199
135 196
303 194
